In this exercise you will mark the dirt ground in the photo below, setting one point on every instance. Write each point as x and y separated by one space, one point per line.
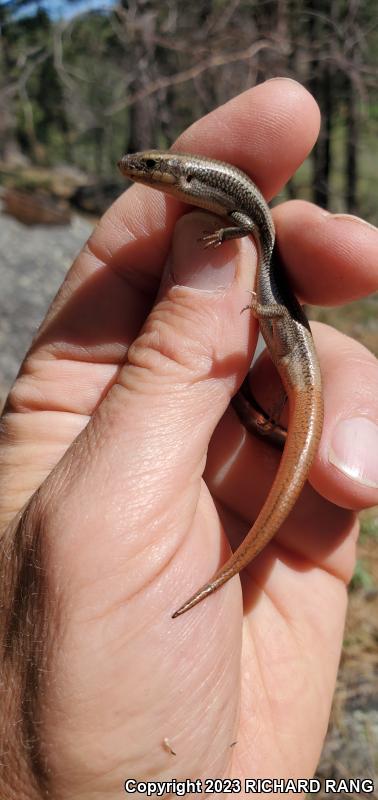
351 747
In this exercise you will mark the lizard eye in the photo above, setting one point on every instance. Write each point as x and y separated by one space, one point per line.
189 178
150 163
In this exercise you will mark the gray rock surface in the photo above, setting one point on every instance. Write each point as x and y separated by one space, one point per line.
33 263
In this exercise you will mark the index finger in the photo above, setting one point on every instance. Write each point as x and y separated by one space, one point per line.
254 131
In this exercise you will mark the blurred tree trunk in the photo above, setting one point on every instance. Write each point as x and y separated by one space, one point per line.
8 141
352 107
322 150
140 26
321 85
351 148
142 129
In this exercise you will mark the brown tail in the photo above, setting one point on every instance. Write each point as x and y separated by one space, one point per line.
306 416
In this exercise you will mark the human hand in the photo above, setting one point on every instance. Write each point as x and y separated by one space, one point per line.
105 439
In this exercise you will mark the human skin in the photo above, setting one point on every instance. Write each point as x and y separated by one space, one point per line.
119 485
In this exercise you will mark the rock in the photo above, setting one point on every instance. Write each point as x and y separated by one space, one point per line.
36 208
97 197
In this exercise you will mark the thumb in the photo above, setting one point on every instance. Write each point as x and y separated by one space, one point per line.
145 447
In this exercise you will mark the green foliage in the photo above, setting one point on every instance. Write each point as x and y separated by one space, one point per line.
369 528
362 578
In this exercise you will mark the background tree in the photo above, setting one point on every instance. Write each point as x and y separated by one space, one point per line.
84 88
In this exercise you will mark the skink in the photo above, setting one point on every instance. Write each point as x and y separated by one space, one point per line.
228 192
